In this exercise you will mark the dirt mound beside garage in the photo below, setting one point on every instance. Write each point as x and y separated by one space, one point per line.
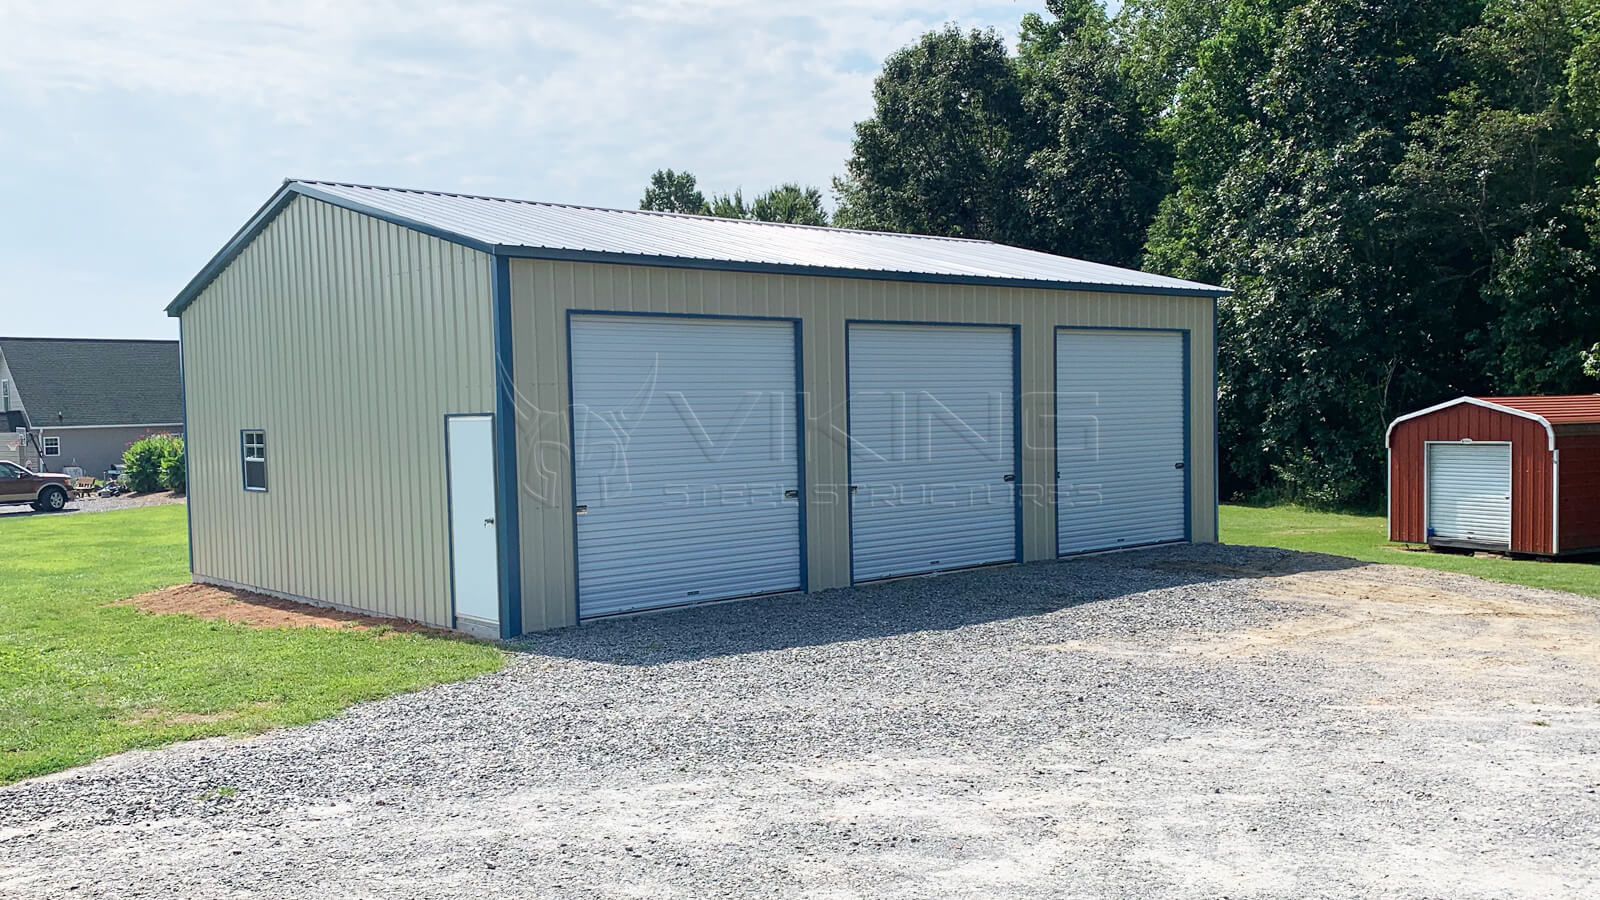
206 601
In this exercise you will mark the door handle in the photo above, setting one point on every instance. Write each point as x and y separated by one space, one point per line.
1009 478
488 521
1177 465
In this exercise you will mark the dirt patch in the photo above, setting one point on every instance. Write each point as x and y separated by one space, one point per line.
1436 631
160 717
212 603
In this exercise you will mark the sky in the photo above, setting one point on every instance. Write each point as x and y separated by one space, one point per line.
139 136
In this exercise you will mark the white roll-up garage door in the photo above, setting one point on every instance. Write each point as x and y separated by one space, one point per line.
687 476
932 448
1469 493
1121 478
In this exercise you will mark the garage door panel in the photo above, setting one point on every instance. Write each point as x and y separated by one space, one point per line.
1120 439
684 446
933 441
1469 493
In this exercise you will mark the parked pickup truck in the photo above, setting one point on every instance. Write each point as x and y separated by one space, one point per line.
44 491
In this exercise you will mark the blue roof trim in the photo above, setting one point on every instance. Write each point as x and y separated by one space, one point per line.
286 194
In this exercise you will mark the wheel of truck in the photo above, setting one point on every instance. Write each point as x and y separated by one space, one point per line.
52 499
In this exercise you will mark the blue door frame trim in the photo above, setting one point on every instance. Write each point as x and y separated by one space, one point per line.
507 480
450 499
800 444
1016 427
1188 405
291 189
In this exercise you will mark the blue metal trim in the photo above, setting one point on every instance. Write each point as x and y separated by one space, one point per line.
801 467
507 475
243 481
1016 428
1216 440
450 500
1188 467
188 458
572 442
849 462
275 204
572 480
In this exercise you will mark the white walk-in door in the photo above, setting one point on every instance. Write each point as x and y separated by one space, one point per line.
1120 436
687 475
932 448
474 536
1469 493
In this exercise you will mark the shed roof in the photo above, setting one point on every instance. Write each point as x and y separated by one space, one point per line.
561 231
75 381
1567 409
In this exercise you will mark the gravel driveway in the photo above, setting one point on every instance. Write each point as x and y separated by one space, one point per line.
1183 722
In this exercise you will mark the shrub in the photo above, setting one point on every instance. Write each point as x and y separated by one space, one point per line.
175 469
146 460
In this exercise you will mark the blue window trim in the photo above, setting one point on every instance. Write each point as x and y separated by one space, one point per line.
1016 428
1188 415
800 441
291 189
244 479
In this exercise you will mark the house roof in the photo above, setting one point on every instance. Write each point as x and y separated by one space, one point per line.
1568 409
69 381
561 231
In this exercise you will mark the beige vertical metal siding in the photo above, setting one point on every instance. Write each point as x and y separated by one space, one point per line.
544 291
348 339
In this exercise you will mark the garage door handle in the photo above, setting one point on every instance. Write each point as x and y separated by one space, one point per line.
1009 478
1178 465
791 495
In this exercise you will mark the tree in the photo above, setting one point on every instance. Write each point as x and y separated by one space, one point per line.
941 153
671 191
728 206
790 203
1095 174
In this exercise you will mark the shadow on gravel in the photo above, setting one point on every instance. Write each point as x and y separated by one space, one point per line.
934 603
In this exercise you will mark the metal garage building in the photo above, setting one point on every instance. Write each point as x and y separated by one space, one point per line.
1520 474
505 416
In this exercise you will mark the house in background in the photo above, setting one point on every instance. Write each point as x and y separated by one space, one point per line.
84 401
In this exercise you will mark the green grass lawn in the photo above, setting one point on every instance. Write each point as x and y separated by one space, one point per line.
1366 538
80 679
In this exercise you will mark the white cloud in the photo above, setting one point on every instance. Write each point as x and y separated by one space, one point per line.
152 129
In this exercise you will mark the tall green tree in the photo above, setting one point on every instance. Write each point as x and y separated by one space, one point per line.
1095 172
790 203
676 192
941 153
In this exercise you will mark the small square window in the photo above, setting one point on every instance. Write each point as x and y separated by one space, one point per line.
52 446
253 450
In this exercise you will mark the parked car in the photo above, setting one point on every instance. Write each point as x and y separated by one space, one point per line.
44 491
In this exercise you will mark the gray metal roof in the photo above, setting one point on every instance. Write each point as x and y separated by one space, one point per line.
71 381
561 231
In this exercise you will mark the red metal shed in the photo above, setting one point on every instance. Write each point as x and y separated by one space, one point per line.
1520 474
